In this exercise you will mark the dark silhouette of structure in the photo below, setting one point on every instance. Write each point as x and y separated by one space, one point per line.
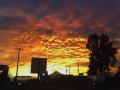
56 74
102 54
4 77
39 66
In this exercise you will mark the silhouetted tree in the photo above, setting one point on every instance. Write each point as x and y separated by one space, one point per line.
102 54
92 45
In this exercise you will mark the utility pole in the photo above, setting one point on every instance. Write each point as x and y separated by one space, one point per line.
69 69
18 59
78 69
66 70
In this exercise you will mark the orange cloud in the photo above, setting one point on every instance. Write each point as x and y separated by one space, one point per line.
59 35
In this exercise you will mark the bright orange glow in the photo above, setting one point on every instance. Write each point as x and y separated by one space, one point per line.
60 52
45 38
59 36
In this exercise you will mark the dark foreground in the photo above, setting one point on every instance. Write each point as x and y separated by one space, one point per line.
69 84
59 87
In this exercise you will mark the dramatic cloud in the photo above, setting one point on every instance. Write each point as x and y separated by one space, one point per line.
56 29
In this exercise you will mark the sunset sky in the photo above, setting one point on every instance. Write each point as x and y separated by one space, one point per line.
55 29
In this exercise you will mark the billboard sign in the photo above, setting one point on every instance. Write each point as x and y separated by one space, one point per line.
39 65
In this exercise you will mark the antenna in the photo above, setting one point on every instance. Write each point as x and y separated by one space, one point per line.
18 59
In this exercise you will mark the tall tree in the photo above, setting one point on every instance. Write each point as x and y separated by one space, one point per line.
102 53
